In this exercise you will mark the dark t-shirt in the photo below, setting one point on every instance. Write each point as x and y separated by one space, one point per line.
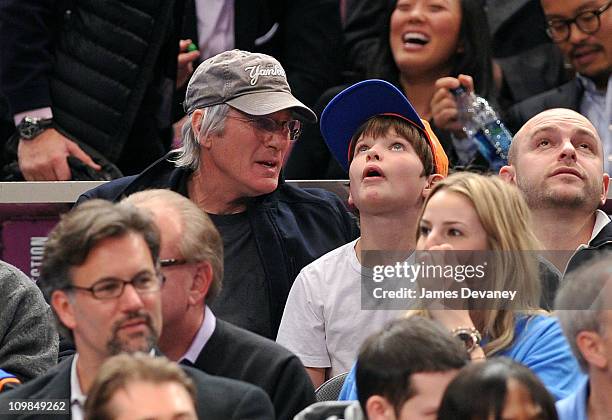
245 296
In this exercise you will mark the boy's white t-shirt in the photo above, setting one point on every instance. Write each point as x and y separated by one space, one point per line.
323 323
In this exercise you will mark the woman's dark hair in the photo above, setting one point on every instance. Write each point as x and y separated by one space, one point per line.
479 391
474 60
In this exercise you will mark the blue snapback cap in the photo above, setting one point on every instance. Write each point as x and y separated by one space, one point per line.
348 110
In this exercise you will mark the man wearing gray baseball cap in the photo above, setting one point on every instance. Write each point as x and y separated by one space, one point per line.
241 120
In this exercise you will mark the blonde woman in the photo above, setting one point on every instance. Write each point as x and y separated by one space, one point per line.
469 212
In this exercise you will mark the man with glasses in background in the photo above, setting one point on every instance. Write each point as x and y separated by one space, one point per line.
582 29
101 275
241 121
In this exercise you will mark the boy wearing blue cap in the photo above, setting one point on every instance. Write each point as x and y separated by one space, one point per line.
393 159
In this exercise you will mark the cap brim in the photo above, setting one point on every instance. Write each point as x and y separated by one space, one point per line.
263 103
348 110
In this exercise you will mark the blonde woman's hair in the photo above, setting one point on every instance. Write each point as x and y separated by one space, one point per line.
506 219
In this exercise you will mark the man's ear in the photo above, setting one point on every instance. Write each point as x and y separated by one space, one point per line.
606 185
196 125
378 408
350 201
591 346
508 174
61 304
202 281
431 181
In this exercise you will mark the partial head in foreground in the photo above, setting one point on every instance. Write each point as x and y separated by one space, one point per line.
403 370
139 386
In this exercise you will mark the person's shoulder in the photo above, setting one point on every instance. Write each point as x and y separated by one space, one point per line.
332 261
565 95
224 398
260 347
55 383
291 193
161 174
111 190
230 388
12 277
537 323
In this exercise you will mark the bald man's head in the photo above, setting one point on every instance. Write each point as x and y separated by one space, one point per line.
556 160
546 118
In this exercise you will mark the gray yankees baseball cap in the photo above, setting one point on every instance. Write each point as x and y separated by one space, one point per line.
250 82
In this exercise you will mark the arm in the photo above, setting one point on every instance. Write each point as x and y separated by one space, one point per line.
26 34
317 376
28 340
26 58
44 158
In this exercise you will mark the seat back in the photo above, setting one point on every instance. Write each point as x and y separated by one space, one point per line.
330 389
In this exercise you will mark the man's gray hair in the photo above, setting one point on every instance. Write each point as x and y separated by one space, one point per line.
213 122
200 240
582 298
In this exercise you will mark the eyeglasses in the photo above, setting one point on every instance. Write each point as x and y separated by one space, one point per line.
588 22
291 128
171 262
111 288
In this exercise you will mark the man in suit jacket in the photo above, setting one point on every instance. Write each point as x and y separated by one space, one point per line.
304 35
101 275
192 261
588 48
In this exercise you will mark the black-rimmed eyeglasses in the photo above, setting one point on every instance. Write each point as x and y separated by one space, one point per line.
110 288
291 128
588 22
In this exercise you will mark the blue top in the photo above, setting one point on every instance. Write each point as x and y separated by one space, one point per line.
574 407
538 344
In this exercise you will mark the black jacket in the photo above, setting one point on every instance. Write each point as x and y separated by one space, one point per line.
567 95
236 353
292 227
107 69
550 279
217 398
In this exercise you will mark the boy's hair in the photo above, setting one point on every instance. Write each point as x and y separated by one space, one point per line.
380 125
119 371
405 346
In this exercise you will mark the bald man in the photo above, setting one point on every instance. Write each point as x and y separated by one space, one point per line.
556 160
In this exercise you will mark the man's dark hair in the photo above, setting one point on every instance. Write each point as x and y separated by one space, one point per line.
405 346
479 391
80 230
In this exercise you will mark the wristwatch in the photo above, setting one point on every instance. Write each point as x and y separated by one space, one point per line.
469 336
31 127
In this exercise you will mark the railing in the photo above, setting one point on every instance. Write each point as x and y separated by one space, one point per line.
29 210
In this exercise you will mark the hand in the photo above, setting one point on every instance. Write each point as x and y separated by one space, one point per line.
44 158
185 61
444 109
